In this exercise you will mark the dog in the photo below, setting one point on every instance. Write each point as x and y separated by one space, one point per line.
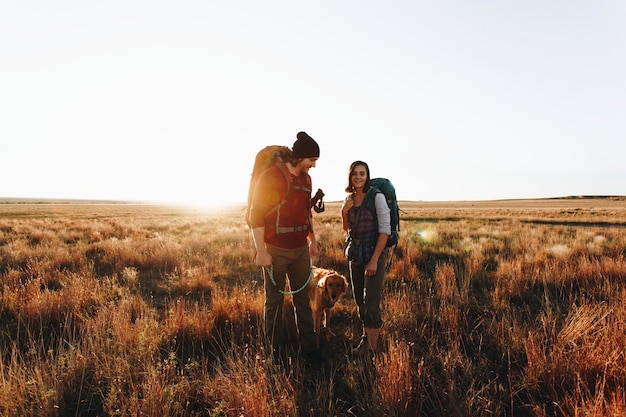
325 288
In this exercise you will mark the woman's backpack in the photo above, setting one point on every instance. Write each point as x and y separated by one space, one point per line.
385 186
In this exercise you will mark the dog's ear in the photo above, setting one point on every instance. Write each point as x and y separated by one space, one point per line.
322 282
319 273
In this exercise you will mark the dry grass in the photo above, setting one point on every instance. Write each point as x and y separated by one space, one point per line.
509 308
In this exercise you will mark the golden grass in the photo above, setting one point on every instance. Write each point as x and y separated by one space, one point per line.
510 308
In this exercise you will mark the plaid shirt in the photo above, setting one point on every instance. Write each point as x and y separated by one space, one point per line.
362 234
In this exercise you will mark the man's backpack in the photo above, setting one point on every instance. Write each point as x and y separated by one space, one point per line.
385 186
266 158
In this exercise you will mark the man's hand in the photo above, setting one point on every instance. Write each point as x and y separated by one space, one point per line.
317 201
263 258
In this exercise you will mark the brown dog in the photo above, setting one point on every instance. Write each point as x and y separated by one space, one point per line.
325 288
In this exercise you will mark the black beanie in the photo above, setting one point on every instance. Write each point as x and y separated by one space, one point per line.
305 147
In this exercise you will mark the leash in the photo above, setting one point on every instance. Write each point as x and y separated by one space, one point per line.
270 272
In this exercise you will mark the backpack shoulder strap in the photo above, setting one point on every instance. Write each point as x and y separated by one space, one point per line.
287 176
370 196
285 171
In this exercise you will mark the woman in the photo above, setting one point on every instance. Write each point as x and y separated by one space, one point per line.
366 218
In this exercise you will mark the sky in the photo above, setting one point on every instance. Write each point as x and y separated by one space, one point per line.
169 101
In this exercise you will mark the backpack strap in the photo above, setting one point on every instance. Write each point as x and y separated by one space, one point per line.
368 202
370 196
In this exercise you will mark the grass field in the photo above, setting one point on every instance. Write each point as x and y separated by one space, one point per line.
503 308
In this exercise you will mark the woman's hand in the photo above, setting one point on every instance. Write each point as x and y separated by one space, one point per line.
348 203
371 268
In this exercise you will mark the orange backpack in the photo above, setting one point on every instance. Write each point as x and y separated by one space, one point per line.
265 158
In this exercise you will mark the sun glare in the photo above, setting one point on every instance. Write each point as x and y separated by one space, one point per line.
428 235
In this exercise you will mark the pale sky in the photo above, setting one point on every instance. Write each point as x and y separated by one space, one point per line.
169 101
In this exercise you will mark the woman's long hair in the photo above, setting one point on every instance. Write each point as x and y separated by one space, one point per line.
350 188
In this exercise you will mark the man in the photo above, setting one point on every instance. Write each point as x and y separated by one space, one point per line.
283 235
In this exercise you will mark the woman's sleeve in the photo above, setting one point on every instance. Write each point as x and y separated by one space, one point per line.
383 214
